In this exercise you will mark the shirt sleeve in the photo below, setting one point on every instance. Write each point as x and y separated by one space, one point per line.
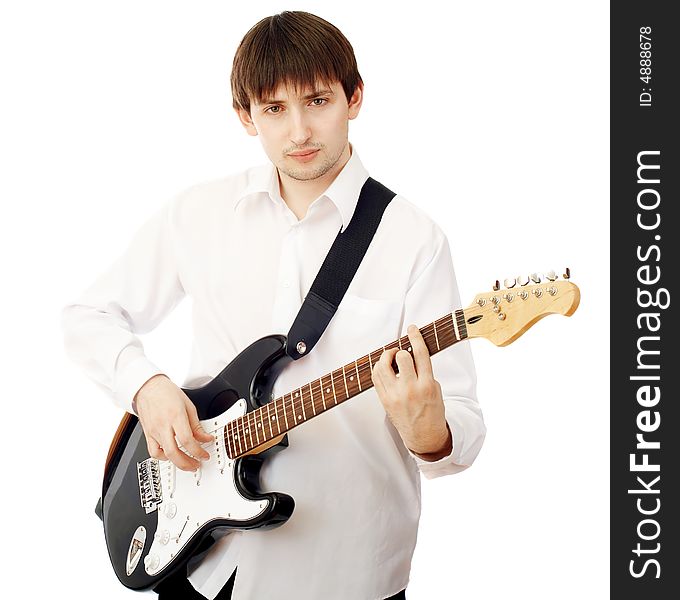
433 294
131 297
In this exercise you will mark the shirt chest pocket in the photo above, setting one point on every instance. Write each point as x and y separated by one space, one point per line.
362 325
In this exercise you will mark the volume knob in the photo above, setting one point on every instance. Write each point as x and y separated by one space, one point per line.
163 537
151 562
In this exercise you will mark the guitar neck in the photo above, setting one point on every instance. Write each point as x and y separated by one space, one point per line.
260 426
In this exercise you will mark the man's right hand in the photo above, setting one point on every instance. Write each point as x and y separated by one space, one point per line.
165 413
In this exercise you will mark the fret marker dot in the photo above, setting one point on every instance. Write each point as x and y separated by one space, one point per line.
296 394
273 418
328 390
409 348
351 378
259 424
299 417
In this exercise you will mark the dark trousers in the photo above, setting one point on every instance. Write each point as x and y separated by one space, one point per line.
179 588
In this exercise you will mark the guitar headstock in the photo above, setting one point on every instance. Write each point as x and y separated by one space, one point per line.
503 315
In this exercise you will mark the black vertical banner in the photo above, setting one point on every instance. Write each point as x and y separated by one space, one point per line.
645 358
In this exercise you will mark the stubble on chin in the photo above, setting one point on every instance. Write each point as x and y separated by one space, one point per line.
307 174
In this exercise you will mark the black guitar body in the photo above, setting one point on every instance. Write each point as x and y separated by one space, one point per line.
249 376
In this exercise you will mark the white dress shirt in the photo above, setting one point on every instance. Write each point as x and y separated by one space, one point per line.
240 253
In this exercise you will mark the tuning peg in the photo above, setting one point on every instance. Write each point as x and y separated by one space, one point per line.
550 275
535 277
522 279
567 274
496 286
510 282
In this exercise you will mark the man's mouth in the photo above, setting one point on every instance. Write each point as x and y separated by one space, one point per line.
303 152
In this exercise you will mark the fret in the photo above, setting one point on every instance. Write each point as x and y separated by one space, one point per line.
276 415
242 424
292 409
311 393
250 435
370 364
298 412
344 378
335 397
269 422
240 428
460 315
253 427
238 437
257 426
352 384
437 335
342 384
376 360
234 436
356 368
285 411
364 373
302 403
451 330
254 438
337 374
230 439
261 424
323 397
445 329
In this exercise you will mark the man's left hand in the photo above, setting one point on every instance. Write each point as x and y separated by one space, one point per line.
413 398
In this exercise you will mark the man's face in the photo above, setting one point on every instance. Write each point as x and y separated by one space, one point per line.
304 133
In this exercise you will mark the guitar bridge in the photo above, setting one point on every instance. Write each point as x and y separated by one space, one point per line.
150 490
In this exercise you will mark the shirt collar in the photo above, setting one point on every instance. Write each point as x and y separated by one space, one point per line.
343 192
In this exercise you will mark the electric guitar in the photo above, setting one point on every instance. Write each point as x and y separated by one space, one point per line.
156 516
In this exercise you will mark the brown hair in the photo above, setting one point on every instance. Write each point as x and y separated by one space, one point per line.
292 47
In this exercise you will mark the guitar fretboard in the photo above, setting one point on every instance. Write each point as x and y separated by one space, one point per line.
260 426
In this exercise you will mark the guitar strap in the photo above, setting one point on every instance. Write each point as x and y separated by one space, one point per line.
338 269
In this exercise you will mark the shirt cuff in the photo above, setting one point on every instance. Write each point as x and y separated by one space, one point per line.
442 466
131 378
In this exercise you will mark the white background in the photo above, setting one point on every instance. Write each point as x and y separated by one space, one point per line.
492 116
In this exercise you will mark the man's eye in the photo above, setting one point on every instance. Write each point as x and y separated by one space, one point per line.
274 109
319 101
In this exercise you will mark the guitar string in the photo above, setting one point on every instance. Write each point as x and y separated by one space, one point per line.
307 399
445 338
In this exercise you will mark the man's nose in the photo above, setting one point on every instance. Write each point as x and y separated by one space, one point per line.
300 130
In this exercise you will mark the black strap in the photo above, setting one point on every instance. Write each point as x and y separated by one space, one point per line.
338 269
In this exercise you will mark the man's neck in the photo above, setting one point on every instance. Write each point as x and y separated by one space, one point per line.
298 195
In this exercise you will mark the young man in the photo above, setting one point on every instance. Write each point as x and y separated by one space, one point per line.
247 248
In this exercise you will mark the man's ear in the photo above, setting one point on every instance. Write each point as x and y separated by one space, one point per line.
246 121
354 104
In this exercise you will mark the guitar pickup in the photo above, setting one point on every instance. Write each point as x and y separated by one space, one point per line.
150 489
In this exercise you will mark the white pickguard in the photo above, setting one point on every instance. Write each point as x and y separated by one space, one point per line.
190 500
